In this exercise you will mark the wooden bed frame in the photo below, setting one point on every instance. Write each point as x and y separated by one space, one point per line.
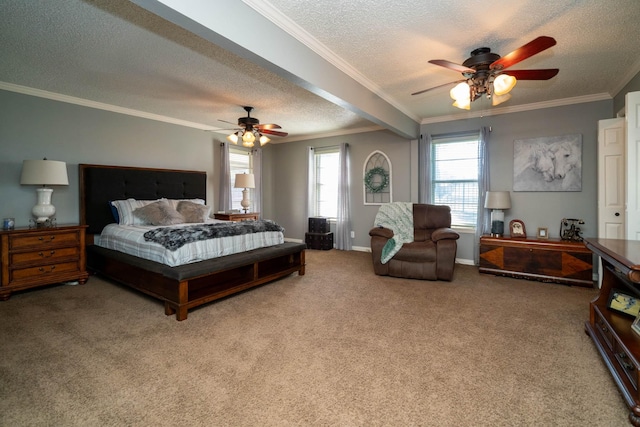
183 287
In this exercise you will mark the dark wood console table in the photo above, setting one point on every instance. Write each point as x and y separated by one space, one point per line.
611 331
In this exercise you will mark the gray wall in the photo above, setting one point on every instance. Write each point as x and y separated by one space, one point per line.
33 128
618 100
289 171
536 209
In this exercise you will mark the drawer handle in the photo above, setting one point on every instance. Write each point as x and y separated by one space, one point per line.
42 270
52 253
50 238
626 365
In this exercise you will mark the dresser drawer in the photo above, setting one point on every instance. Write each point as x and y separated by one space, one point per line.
604 330
45 256
44 240
44 271
626 363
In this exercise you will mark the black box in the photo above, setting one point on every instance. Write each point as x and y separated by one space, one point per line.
323 241
318 225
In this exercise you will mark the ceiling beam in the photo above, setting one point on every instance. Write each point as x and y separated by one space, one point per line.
240 29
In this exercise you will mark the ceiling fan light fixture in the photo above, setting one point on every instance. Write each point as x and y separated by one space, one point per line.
233 138
499 99
503 84
248 137
263 140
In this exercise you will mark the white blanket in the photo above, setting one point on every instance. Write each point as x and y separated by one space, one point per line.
397 216
130 239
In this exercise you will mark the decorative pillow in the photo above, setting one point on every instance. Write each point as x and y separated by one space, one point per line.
174 202
125 210
159 213
193 212
114 212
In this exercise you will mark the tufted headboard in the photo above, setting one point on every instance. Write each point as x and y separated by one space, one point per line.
99 184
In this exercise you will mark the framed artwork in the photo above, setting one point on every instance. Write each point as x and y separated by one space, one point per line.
543 233
548 163
517 229
624 303
377 173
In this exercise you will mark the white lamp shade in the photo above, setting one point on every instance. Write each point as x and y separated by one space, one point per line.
497 200
245 180
503 84
44 172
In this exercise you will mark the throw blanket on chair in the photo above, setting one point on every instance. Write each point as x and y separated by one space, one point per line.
174 238
398 216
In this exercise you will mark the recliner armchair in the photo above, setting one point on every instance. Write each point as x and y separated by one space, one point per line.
431 255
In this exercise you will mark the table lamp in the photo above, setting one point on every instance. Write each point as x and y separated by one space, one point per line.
44 172
497 201
246 181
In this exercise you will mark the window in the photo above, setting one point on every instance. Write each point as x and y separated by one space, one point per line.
326 161
454 179
239 162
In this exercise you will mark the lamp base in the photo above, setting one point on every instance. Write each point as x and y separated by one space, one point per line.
245 203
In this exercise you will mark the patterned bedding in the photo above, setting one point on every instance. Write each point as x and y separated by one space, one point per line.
130 239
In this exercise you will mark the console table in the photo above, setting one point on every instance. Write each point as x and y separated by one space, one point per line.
611 331
546 260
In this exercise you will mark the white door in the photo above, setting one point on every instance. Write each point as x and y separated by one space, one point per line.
632 116
611 178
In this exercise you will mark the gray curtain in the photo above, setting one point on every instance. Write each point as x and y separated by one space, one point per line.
256 199
310 180
483 217
224 191
424 169
343 220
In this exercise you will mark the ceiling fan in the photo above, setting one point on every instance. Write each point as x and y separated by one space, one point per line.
249 129
485 73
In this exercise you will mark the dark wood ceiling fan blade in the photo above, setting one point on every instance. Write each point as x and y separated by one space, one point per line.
268 126
533 47
439 86
452 66
273 132
545 74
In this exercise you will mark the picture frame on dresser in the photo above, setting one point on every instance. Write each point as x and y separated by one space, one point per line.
543 233
517 229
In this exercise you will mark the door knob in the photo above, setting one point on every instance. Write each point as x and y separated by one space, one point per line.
617 213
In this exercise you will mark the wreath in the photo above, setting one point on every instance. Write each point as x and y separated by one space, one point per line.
374 187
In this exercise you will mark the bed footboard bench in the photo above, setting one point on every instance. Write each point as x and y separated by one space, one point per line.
188 286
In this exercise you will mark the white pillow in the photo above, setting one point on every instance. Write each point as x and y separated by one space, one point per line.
125 210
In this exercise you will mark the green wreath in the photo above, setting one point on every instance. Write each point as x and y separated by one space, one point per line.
376 187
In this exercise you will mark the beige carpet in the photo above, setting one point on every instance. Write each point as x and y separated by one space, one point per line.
336 347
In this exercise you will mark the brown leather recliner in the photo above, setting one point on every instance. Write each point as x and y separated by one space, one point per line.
432 254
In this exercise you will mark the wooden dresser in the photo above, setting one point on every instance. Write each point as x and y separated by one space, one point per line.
254 216
546 260
610 330
42 256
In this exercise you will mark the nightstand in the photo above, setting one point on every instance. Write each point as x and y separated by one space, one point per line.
33 257
250 216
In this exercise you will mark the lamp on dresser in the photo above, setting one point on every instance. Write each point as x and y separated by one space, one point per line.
246 181
44 172
497 201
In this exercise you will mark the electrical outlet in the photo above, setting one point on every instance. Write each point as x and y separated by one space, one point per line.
353 234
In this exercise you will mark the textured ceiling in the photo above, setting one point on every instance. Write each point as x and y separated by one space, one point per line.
122 54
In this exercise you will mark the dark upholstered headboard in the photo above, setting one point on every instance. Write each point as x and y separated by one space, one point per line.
100 184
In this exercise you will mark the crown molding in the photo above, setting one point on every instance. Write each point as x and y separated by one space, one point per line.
518 108
633 71
99 105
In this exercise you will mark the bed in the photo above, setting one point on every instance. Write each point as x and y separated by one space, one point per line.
181 287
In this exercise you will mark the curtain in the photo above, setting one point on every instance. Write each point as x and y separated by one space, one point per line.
224 191
483 217
256 161
424 169
343 220
310 180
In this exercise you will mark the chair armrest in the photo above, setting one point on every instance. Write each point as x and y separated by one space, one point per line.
387 233
444 233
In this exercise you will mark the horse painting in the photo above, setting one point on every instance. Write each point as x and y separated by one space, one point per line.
548 164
